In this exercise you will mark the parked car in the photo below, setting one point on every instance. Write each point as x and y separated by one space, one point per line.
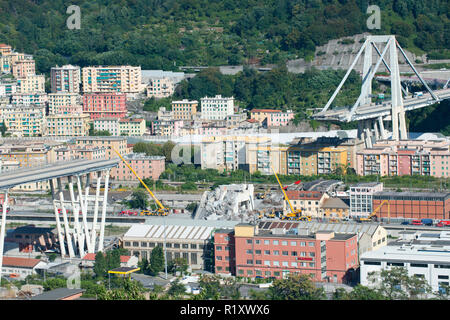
416 223
405 223
443 223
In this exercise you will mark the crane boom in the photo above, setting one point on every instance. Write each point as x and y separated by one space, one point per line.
149 191
285 195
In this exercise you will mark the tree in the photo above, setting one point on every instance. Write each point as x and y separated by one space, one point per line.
230 289
100 265
130 290
139 199
177 289
295 287
167 150
359 292
156 260
395 284
3 129
54 283
178 264
210 287
188 186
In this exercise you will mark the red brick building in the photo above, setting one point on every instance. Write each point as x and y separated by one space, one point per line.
326 256
413 205
105 105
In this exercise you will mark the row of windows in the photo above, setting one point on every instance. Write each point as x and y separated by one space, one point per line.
266 273
168 245
283 263
401 264
284 253
283 243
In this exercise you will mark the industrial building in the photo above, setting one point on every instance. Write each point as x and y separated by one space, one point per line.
412 205
361 195
275 253
423 255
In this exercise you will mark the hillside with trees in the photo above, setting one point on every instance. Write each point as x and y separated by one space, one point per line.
167 34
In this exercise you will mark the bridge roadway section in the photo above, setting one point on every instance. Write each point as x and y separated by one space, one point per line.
56 170
374 111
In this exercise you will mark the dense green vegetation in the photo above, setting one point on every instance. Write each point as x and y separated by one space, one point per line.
435 118
166 34
191 173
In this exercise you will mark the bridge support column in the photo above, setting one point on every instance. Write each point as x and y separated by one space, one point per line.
94 221
66 222
375 130
62 245
398 111
2 230
83 204
382 130
105 202
78 234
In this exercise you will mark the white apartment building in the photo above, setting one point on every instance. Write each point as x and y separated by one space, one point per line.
29 99
7 88
64 102
160 87
24 120
65 79
422 255
31 84
361 195
216 108
124 79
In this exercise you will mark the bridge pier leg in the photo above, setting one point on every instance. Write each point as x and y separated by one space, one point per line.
66 222
403 131
375 129
382 130
83 204
94 221
76 214
105 202
2 231
62 246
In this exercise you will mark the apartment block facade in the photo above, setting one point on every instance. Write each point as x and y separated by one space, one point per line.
361 196
23 68
65 79
263 158
271 117
310 202
325 255
117 143
145 167
31 84
106 79
27 99
24 120
101 105
216 108
68 125
409 157
166 127
64 103
184 109
160 87
304 160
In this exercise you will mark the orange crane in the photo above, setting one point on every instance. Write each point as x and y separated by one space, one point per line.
369 218
162 211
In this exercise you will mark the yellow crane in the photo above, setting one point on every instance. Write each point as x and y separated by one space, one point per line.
369 218
162 211
294 214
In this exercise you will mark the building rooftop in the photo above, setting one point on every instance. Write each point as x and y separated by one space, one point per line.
58 294
143 156
20 262
172 232
407 194
334 203
365 184
304 195
31 229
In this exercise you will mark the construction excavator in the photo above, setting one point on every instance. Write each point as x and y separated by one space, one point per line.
372 217
161 211
262 195
294 214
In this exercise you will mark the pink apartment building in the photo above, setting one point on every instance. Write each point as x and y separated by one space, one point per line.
145 167
271 117
101 105
410 157
23 68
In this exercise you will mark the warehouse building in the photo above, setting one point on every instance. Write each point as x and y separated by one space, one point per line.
425 255
412 205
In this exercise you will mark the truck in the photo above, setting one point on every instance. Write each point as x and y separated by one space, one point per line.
427 222
443 223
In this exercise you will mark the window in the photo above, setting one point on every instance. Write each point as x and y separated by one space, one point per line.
312 254
218 248
249 251
284 243
258 262
185 246
276 263
267 252
303 254
258 272
257 241
419 265
285 253
396 264
312 264
419 275
257 251
249 241
294 253
219 268
275 242
276 273
311 244
294 264
240 271
442 277
219 258
193 246
144 244
194 258
250 272
267 273
127 243
227 248
249 261
285 264
293 243
267 242
372 263
226 238
266 262
135 244
276 252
